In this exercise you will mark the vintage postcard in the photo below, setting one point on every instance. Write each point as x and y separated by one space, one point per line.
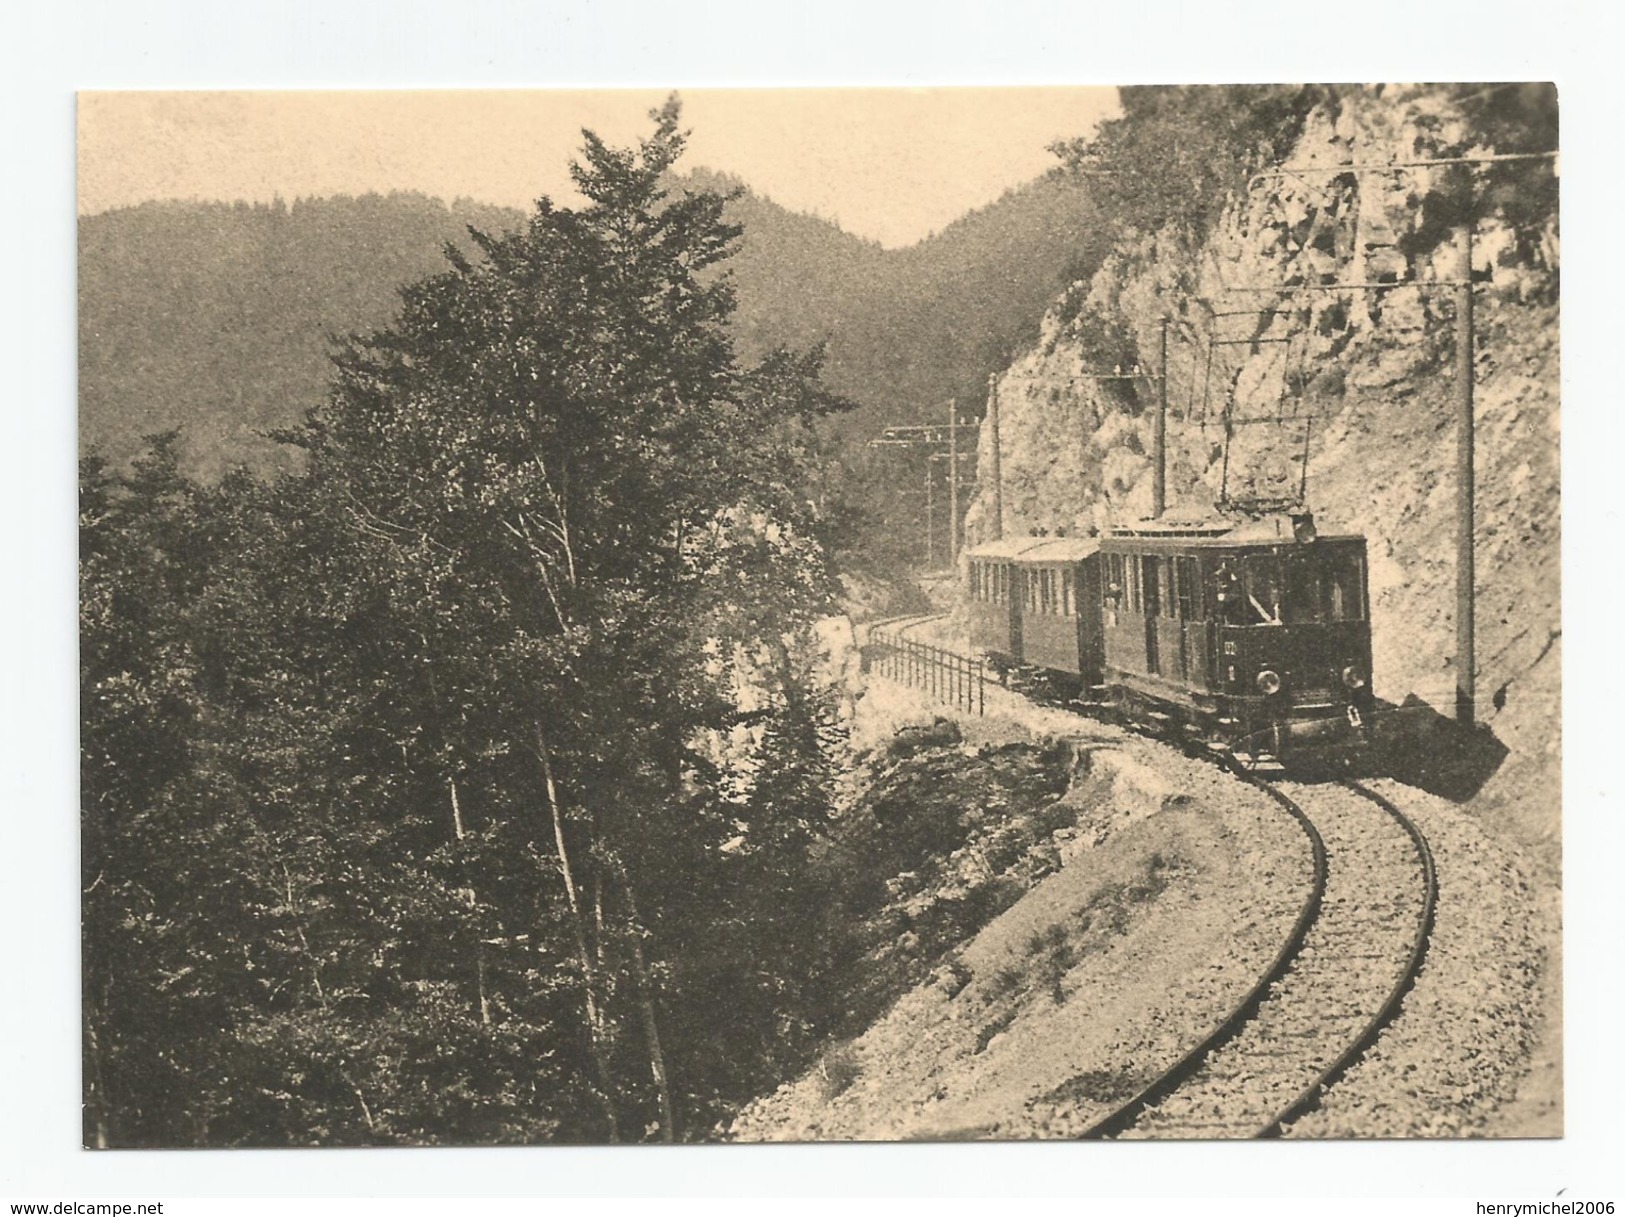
820 615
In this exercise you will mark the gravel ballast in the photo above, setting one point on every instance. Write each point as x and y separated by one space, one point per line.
1461 1043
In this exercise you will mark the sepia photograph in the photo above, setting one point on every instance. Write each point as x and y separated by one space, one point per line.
722 616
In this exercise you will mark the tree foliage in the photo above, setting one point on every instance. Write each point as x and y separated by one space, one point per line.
462 786
1500 118
1179 153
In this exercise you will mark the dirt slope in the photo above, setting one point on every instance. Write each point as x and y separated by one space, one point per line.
1147 893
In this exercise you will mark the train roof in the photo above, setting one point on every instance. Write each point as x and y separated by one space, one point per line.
1040 551
1266 528
1167 533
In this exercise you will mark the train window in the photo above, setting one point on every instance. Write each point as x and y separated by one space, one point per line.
1229 598
1149 585
1261 589
1189 588
1306 592
1068 595
1326 586
1345 586
1167 602
1131 585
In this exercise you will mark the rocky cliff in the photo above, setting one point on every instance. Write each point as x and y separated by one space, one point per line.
1359 382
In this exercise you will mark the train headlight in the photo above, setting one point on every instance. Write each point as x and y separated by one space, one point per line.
1269 683
1352 678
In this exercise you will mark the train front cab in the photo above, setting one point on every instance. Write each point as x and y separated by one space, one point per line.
1265 644
1294 637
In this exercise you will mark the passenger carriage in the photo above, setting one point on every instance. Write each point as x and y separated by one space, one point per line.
1035 600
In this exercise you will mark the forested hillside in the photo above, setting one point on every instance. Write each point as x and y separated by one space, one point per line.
217 318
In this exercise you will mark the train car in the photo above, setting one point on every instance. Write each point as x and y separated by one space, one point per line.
1035 600
995 596
1060 608
1256 632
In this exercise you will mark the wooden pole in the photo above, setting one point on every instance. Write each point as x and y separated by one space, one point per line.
998 467
1159 434
930 519
1466 660
953 482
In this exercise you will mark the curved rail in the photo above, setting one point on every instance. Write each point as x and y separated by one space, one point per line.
893 623
1128 1114
1299 1007
1315 1091
1123 1116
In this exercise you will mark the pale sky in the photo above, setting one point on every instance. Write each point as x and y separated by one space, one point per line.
892 165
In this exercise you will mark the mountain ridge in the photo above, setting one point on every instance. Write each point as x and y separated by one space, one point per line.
218 317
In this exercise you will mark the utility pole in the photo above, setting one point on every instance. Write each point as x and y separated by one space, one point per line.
1159 434
998 468
936 442
953 482
1466 661
930 520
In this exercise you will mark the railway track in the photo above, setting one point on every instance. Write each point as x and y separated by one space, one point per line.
1341 977
1341 980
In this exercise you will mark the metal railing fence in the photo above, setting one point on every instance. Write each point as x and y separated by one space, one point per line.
949 677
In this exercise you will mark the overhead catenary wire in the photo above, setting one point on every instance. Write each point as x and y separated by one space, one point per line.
1337 168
